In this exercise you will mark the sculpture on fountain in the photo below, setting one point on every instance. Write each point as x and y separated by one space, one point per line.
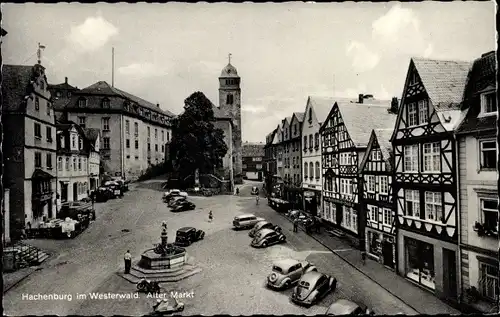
164 255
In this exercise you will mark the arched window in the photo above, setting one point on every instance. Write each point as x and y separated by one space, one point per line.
59 163
305 170
317 170
311 170
74 164
67 163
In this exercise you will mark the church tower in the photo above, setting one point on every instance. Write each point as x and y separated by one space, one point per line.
230 104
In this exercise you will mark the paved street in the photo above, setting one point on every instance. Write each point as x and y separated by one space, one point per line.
232 280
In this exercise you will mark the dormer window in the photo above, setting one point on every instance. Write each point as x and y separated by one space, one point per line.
105 103
413 78
126 105
489 104
82 103
58 94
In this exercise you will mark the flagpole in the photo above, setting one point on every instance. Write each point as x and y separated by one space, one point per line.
113 67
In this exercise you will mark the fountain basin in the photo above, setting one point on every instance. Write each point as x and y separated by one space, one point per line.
153 261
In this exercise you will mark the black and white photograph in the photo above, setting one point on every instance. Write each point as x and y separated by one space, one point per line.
292 158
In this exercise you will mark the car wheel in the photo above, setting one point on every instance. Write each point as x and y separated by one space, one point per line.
287 284
264 244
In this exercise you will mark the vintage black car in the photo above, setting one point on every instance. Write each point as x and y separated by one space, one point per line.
175 200
103 194
115 188
267 237
344 307
187 235
263 225
312 287
183 206
255 190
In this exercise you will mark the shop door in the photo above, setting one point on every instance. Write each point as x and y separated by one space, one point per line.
387 250
64 192
75 192
450 273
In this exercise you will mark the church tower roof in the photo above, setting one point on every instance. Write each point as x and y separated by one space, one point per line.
229 72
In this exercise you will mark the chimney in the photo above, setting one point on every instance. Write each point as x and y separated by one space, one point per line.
158 105
394 105
360 98
65 80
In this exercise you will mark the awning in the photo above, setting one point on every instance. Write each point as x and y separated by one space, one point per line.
41 174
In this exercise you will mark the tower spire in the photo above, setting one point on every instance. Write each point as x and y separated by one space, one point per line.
39 52
229 57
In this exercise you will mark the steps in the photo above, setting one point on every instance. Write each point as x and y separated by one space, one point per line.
161 276
27 253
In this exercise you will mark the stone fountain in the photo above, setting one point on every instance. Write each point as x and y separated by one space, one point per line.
165 262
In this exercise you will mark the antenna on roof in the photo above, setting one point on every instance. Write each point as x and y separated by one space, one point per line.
113 67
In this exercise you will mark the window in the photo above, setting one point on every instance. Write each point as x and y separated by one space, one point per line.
488 281
149 132
73 142
305 170
310 119
66 167
38 159
350 219
229 99
370 183
413 78
127 127
376 155
37 103
412 114
156 133
163 136
79 163
149 146
168 136
82 121
38 130
346 186
310 141
136 129
412 203
105 124
489 103
48 109
80 143
127 143
59 164
433 206
105 103
69 94
105 142
373 210
311 170
48 131
136 144
317 170
163 148
156 147
411 158
489 214
305 143
82 103
488 154
74 164
316 141
432 161
387 217
58 94
423 111
383 185
49 161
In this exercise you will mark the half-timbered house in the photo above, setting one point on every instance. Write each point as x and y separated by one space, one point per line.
478 176
425 183
278 146
344 138
377 199
294 187
269 161
287 156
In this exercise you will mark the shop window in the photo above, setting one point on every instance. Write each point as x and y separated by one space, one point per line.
420 262
350 219
374 243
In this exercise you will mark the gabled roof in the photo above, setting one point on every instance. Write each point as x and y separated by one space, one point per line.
270 137
91 134
252 150
384 142
15 86
361 118
444 81
482 78
103 88
322 105
299 116
287 120
63 86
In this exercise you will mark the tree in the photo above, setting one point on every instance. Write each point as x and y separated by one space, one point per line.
196 142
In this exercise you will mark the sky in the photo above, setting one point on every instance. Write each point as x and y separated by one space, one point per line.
283 52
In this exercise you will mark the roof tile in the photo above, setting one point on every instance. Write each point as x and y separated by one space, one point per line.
252 150
15 81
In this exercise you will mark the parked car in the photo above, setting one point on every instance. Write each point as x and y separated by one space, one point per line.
183 206
115 187
262 225
103 194
246 221
76 210
267 237
288 272
175 200
187 235
255 190
346 307
312 287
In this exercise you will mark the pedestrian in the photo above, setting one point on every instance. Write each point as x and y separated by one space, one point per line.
363 257
128 261
295 224
210 216
237 191
257 200
92 197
